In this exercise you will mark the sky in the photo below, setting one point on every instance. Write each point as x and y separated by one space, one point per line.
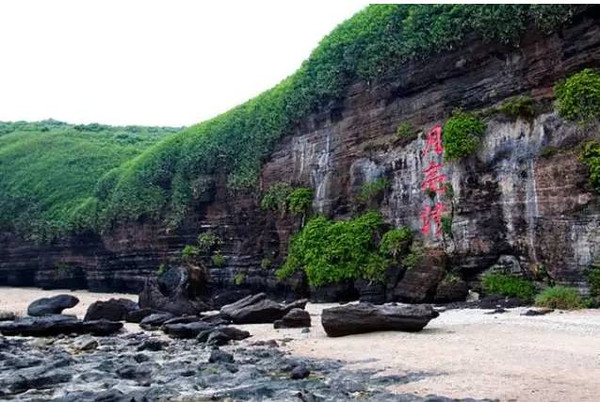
145 62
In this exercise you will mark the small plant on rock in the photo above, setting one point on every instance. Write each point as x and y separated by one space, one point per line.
509 285
373 190
266 263
462 135
300 200
578 97
405 130
218 260
189 253
276 197
560 297
207 241
520 106
396 242
239 279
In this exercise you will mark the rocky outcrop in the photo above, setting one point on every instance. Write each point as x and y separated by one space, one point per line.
52 325
258 309
509 200
51 305
296 318
112 310
363 317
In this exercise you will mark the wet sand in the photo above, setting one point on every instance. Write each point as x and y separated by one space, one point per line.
463 353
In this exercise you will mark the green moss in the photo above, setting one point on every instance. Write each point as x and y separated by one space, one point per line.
520 106
330 251
300 200
560 297
578 97
189 253
462 135
396 242
508 285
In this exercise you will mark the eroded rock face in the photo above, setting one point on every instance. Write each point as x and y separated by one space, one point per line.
509 200
363 317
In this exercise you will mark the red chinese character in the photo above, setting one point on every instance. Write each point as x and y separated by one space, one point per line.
433 142
433 178
428 214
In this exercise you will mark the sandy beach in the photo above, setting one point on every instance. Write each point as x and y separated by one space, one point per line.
463 353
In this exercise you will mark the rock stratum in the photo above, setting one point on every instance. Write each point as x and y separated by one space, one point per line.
512 202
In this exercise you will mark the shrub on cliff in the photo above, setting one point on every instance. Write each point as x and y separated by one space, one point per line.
590 156
462 135
578 97
509 285
560 297
520 106
396 242
300 200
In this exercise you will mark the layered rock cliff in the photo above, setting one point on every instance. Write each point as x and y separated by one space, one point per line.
512 200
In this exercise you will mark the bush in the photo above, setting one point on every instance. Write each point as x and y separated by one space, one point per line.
218 260
559 297
508 285
239 279
207 242
331 252
462 135
520 106
592 274
578 97
549 18
396 242
590 156
189 253
276 197
405 130
266 263
372 191
300 200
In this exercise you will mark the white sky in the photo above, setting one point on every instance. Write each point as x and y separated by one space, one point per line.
170 62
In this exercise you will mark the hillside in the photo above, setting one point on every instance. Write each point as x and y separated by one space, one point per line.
49 171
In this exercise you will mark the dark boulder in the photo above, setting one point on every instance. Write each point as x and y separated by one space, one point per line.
222 335
451 289
112 310
7 316
136 316
299 372
229 296
177 292
258 309
364 317
420 283
155 321
52 325
186 319
219 356
51 305
296 318
370 292
186 331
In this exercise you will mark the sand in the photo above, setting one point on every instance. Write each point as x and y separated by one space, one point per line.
463 353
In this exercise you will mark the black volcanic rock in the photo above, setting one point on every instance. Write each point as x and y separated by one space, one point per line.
112 310
363 317
52 325
51 305
258 309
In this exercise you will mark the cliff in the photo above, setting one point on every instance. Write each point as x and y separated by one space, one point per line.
512 201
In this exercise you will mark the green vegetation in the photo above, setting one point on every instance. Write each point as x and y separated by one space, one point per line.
275 198
372 191
53 183
560 297
239 278
207 242
592 274
548 151
578 97
411 260
218 260
332 252
590 156
447 226
405 130
462 135
508 285
189 253
300 200
49 172
162 268
520 106
266 263
396 242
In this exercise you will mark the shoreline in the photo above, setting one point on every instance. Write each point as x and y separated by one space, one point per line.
464 353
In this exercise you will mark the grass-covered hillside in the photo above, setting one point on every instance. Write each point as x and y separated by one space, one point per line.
49 171
161 181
